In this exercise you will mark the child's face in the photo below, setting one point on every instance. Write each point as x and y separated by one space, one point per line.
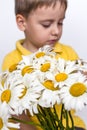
44 26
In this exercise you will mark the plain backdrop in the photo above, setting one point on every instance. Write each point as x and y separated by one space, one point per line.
74 32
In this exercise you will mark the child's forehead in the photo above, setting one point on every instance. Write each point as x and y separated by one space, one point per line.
50 10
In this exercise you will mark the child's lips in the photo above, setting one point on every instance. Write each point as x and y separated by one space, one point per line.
52 41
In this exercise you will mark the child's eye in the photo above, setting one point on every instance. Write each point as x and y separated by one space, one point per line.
60 23
46 25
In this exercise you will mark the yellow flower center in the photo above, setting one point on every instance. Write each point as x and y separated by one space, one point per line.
13 67
45 67
40 54
23 93
6 95
49 85
61 77
27 69
77 89
1 123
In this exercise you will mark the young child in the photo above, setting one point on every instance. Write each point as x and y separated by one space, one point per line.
42 23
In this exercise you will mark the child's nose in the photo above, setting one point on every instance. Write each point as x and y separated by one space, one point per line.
55 30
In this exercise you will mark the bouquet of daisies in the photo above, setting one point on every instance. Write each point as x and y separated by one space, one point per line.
38 83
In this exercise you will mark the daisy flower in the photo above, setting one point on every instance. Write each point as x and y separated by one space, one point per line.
74 96
40 60
3 77
49 98
82 66
44 64
38 82
10 92
49 95
30 93
66 72
5 124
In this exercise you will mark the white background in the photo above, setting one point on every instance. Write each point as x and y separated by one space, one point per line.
74 33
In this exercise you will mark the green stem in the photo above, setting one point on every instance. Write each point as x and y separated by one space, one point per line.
62 112
42 122
67 121
46 116
42 118
49 119
71 120
60 125
52 116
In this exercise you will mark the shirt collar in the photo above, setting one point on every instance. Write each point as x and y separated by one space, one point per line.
21 49
24 51
57 47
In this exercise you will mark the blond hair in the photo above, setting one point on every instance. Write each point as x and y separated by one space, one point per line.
24 7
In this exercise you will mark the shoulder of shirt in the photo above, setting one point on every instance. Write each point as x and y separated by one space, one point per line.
67 49
12 57
65 46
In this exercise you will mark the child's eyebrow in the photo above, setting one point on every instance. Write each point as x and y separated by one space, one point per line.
47 20
62 17
51 20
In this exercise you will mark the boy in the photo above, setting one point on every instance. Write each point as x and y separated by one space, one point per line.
42 23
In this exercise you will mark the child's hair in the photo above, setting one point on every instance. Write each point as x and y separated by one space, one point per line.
24 7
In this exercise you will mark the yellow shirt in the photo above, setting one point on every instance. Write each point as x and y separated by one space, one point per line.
15 56
62 51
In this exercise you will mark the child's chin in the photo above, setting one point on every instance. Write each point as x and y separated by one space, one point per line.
52 45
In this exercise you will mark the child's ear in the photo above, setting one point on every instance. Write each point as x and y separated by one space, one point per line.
21 21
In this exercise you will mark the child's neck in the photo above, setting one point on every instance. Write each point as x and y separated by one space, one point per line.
30 47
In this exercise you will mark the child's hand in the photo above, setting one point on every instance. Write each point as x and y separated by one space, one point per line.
25 126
